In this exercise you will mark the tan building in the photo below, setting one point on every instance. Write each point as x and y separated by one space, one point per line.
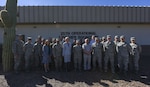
81 21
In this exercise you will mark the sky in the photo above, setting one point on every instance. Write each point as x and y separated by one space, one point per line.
80 2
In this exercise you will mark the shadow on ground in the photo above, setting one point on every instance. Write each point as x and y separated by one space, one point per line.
78 79
42 79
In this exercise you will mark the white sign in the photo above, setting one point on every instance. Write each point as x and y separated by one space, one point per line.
77 35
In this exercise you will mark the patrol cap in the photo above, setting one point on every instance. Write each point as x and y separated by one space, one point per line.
108 36
77 41
132 38
103 38
29 38
116 36
122 36
96 38
53 39
39 36
57 39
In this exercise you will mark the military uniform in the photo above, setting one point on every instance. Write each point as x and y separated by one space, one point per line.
124 50
135 55
109 49
17 49
103 40
77 55
116 41
57 53
28 49
97 55
37 54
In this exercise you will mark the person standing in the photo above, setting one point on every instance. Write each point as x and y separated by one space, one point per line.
52 42
77 55
57 53
37 53
28 50
124 50
103 40
87 49
67 53
46 55
92 40
97 48
17 49
116 41
109 48
135 55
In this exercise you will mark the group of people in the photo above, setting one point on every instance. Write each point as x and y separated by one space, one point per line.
92 54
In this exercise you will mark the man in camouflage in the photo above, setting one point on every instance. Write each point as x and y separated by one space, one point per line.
124 50
109 49
57 53
28 50
135 55
116 41
17 50
77 55
97 54
37 49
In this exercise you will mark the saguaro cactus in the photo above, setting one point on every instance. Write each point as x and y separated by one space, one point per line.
8 21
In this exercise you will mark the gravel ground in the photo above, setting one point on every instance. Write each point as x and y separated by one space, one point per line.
77 79
73 79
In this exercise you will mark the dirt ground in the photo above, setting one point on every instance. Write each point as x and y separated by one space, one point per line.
77 79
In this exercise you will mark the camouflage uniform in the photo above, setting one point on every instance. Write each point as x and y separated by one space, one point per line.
28 49
124 50
52 60
103 40
135 55
57 53
77 55
17 50
116 41
97 55
37 54
109 48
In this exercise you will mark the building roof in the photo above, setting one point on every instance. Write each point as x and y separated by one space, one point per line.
83 14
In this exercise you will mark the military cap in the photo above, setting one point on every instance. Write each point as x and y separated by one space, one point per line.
103 38
122 36
39 36
57 39
108 36
116 36
29 38
132 38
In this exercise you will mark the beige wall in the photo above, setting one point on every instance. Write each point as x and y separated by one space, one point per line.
140 31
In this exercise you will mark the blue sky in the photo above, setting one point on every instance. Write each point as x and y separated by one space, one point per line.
80 2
